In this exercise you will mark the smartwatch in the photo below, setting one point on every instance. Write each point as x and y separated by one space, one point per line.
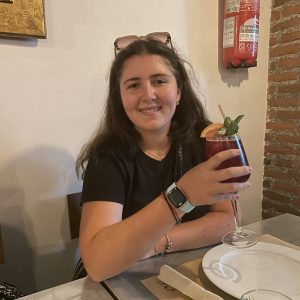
178 198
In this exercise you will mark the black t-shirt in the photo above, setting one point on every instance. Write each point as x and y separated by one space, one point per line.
135 179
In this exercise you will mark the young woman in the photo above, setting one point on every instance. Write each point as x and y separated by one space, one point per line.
147 188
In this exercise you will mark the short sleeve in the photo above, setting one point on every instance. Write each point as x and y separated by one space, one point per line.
105 179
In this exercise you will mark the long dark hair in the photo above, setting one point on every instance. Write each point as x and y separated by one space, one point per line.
116 126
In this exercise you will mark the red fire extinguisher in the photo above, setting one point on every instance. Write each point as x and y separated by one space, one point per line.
240 33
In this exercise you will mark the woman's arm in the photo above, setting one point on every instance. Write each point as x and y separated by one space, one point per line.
205 231
109 245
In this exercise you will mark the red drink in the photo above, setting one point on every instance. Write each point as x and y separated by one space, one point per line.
218 144
238 238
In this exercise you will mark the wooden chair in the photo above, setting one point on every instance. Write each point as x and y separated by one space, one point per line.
74 209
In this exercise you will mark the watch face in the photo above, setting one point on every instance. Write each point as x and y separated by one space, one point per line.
176 197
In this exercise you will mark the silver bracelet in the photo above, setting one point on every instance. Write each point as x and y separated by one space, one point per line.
168 246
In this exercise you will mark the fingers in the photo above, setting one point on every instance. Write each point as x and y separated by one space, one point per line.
230 188
224 196
212 184
218 158
227 196
224 174
233 172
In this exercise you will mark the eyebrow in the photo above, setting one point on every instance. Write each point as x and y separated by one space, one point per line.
151 77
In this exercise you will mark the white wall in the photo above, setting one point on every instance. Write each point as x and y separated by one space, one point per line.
51 96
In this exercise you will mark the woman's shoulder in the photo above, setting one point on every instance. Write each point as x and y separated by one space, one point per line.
114 149
109 157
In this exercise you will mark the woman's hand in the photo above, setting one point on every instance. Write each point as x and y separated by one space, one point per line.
203 183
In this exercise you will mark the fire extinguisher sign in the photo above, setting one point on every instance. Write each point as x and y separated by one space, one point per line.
232 6
249 36
228 32
249 31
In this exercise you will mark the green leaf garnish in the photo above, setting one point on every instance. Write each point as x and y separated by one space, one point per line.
230 126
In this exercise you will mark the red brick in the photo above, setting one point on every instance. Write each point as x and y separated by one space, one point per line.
277 173
267 203
271 89
277 207
288 139
274 196
275 15
281 126
284 25
291 10
273 65
291 36
284 102
283 76
275 137
284 50
266 183
290 88
290 188
289 114
273 41
269 137
296 202
289 62
271 114
277 3
279 150
282 162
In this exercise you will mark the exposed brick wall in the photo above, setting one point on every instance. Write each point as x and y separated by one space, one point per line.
281 187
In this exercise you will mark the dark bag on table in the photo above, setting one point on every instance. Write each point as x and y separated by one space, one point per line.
9 291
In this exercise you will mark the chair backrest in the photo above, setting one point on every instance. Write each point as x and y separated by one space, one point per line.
74 209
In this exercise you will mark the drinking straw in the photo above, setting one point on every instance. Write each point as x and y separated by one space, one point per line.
221 111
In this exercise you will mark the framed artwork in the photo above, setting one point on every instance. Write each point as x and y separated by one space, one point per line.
22 18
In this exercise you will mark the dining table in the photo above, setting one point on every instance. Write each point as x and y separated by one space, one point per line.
130 284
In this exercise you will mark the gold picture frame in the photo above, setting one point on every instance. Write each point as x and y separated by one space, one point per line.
22 18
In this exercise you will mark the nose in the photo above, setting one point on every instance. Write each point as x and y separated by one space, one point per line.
148 92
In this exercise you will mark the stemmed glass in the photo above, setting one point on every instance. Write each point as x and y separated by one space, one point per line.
239 238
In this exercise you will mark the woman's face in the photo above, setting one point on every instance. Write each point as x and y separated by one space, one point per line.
149 93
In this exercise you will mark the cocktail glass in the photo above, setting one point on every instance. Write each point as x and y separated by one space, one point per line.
239 238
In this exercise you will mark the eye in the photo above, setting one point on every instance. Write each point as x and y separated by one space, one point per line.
159 81
132 85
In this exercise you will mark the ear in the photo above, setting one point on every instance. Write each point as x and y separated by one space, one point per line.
178 94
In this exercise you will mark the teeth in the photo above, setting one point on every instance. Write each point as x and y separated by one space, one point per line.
150 109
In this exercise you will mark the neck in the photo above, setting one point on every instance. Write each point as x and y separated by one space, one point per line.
156 147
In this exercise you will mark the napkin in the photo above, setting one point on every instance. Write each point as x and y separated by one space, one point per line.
185 285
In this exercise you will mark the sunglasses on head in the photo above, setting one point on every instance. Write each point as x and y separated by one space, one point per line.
124 41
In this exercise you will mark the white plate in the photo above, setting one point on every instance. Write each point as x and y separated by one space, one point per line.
263 265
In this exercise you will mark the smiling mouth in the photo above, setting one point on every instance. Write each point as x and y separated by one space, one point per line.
150 109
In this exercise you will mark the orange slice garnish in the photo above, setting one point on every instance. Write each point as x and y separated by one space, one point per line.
211 130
